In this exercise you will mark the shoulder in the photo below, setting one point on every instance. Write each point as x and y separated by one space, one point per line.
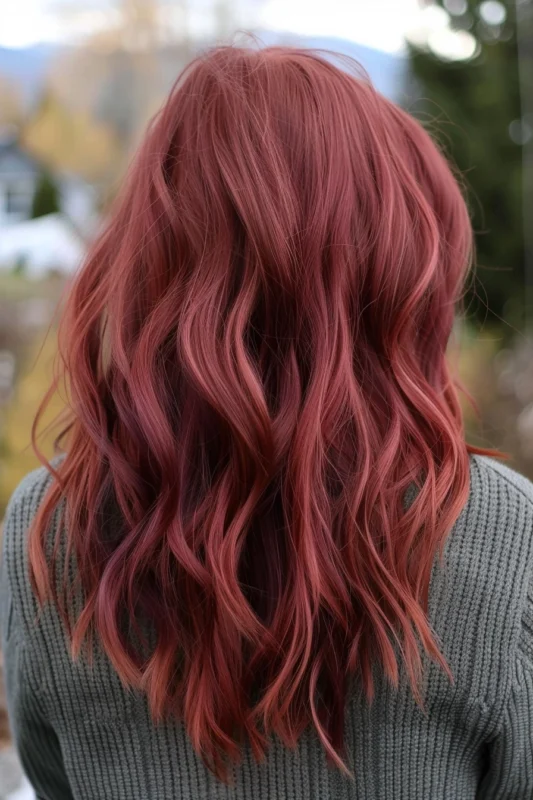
21 509
31 490
498 522
482 589
499 511
513 519
499 517
489 471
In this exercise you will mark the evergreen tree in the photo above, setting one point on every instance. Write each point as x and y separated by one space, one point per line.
46 199
20 266
476 105
69 139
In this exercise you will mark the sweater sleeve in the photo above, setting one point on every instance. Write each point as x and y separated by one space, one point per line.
509 773
36 742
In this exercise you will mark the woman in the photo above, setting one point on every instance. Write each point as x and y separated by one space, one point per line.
264 563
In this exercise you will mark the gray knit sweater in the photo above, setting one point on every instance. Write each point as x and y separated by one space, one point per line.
81 735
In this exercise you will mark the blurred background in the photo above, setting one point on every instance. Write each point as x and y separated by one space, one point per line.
79 80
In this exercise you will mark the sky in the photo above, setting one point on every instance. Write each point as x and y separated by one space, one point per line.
381 24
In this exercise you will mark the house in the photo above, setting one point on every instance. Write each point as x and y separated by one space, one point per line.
19 174
18 178
53 242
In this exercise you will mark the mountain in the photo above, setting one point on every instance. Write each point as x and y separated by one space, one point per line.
29 66
388 71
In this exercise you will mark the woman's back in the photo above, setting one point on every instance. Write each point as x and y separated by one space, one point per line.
475 741
263 456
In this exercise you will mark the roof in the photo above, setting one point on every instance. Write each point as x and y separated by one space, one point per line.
14 157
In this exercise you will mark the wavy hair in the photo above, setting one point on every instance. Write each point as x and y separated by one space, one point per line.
254 354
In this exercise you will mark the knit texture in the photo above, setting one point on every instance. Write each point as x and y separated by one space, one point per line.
81 735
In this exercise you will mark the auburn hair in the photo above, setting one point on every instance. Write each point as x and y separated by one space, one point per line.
254 356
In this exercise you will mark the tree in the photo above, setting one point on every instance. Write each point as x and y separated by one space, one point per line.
127 66
70 140
20 267
46 199
116 65
11 104
478 104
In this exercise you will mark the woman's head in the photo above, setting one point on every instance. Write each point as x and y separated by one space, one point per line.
254 353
